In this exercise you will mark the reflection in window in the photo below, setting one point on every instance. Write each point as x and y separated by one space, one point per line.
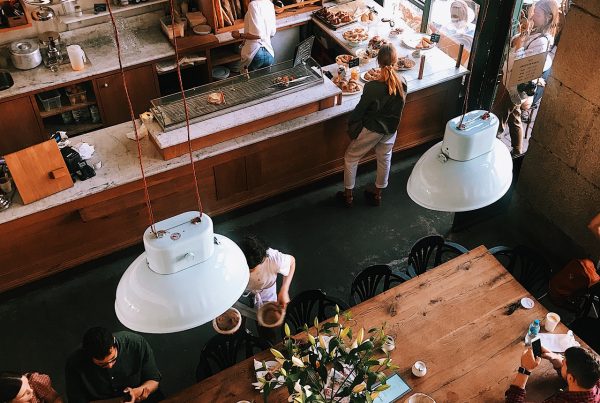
455 21
409 12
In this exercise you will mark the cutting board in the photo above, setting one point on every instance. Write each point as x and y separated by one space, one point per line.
39 171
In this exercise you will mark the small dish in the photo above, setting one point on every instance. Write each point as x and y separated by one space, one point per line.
527 303
202 29
420 398
270 315
234 326
220 72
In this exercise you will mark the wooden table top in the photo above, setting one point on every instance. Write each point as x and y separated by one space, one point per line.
452 317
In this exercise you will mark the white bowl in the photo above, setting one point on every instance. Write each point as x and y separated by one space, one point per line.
420 398
202 29
231 331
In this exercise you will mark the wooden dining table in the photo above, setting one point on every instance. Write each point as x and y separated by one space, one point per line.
453 317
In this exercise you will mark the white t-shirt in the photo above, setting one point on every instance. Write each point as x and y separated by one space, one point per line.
259 21
265 274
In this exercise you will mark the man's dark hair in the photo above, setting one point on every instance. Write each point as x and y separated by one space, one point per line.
584 366
10 385
97 342
254 249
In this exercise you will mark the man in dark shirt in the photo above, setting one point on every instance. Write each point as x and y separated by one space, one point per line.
580 368
108 366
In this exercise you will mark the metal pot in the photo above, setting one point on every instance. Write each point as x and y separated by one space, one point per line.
25 54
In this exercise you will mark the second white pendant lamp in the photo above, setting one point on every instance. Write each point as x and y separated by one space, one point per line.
468 170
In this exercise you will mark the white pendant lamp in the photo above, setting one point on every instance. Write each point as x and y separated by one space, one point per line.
186 277
468 170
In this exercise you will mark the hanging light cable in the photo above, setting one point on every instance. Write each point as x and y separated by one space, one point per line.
188 275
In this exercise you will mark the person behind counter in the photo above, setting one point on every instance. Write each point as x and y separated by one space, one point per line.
373 123
109 366
460 28
31 387
259 28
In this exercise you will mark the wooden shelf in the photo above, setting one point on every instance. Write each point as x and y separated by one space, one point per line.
89 14
6 29
63 109
74 129
223 55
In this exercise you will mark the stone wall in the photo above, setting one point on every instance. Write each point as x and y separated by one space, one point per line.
560 177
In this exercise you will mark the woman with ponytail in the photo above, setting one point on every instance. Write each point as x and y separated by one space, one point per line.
373 124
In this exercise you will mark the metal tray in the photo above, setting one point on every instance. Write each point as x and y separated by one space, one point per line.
239 92
330 25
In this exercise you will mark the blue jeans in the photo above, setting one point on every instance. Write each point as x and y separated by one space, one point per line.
261 59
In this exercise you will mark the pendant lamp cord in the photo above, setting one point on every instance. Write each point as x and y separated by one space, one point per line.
185 108
466 101
132 115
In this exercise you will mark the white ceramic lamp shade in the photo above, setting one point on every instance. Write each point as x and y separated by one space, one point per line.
440 183
177 297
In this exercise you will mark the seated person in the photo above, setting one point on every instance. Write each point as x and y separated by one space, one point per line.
30 387
109 365
265 264
580 368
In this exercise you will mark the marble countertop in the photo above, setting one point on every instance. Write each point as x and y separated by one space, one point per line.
142 41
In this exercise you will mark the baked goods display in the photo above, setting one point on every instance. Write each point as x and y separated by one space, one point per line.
348 86
283 81
333 17
372 74
364 56
367 17
355 36
375 44
343 59
216 98
424 43
404 63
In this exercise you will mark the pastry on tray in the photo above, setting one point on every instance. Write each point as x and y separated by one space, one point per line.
216 98
355 35
377 42
343 59
283 81
350 86
405 63
372 74
424 43
394 32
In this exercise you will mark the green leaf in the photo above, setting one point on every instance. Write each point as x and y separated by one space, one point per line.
381 388
330 325
366 345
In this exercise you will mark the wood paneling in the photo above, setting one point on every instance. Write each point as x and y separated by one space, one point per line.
19 125
142 87
75 232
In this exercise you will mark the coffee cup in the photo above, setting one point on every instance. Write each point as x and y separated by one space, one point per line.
552 320
5 184
419 369
388 344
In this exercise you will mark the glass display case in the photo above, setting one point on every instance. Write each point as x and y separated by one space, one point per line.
225 96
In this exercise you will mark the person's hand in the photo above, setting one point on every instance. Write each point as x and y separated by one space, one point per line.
555 359
594 226
283 299
529 361
235 34
137 394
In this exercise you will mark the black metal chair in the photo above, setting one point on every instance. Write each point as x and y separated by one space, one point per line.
308 305
372 281
430 252
223 350
527 266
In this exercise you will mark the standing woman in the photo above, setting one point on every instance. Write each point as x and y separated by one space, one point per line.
373 124
31 387
259 28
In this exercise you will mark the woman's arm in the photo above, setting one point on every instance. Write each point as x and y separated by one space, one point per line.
361 108
283 297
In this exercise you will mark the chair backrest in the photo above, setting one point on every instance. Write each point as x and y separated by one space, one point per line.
504 254
372 281
224 350
589 302
531 270
430 252
308 305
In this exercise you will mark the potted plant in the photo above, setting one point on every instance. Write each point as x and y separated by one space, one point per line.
328 364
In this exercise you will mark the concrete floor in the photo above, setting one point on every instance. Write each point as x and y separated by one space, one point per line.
42 323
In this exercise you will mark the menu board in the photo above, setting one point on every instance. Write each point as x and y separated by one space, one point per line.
527 69
304 50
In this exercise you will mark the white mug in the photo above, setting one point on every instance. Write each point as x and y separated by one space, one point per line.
76 57
419 369
388 344
552 320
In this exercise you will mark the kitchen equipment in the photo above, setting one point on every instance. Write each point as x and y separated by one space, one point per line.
68 6
25 54
54 57
50 99
76 57
38 171
6 80
45 20
77 167
220 72
167 27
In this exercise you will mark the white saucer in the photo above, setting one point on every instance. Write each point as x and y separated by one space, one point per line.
527 303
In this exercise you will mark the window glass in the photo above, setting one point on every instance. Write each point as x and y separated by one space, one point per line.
455 22
409 12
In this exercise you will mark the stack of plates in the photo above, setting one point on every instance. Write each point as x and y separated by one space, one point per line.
220 72
202 29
